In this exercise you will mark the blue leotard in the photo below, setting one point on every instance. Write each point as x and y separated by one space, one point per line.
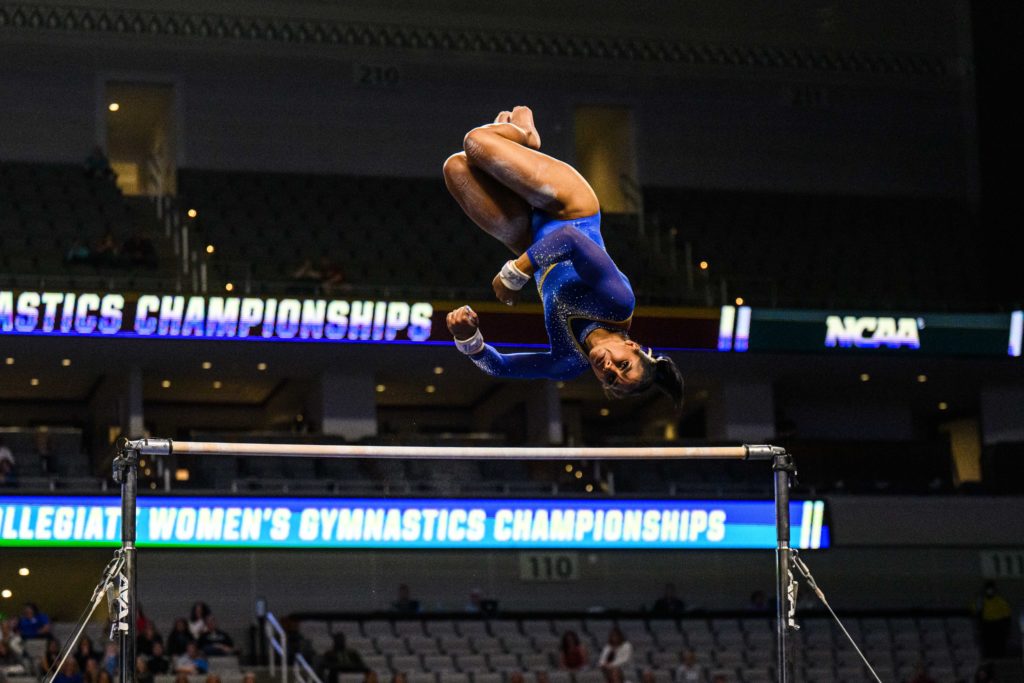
580 288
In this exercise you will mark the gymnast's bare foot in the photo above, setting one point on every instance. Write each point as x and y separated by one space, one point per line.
523 117
504 117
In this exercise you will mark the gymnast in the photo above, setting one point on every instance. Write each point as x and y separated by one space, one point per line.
547 214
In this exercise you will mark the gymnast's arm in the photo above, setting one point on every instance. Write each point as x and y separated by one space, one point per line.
592 263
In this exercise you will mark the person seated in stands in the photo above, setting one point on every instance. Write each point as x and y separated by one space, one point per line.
142 672
307 271
249 677
572 655
69 673
9 635
138 250
617 653
689 670
10 662
215 642
78 252
84 652
341 659
332 277
213 678
669 604
98 166
91 671
50 654
179 638
158 664
7 474
192 662
147 638
104 252
181 678
197 618
405 604
33 623
111 659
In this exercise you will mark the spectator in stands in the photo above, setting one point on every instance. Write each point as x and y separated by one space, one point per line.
110 661
400 677
197 618
142 672
215 642
192 662
9 635
78 252
332 277
994 614
572 655
158 664
341 659
50 654
105 251
181 678
405 604
669 604
84 652
33 623
758 602
138 250
147 636
69 673
249 677
617 653
6 464
689 670
98 166
179 638
10 661
91 671
213 678
105 677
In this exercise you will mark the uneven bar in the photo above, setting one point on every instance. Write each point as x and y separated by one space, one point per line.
167 447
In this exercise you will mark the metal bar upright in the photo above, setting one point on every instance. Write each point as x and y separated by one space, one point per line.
129 474
782 465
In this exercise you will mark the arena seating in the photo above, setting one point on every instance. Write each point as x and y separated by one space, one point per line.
46 210
405 237
439 650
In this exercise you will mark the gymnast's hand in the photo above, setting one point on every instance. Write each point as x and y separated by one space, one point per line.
463 322
507 296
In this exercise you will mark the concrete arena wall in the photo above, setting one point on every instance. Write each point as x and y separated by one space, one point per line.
298 109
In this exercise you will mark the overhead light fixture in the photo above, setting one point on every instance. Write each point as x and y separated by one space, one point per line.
66 362
438 370
921 379
568 467
114 106
9 361
210 249
739 301
207 365
559 385
703 265
34 381
192 213
229 287
261 366
381 388
217 384
943 405
181 474
590 488
605 412
579 474
431 388
865 377
166 384
6 593
23 571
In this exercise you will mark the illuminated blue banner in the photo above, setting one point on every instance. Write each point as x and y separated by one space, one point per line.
215 317
409 523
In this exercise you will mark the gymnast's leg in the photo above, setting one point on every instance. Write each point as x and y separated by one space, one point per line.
504 151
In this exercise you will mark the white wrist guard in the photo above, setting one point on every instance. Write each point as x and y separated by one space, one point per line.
512 277
474 344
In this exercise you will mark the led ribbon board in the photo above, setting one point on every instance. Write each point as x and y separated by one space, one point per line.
409 523
199 317
834 332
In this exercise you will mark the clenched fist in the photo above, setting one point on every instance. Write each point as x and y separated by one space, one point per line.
463 322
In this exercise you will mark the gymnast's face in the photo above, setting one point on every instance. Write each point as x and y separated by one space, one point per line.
616 362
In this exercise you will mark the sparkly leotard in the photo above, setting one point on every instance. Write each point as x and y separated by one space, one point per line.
581 289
